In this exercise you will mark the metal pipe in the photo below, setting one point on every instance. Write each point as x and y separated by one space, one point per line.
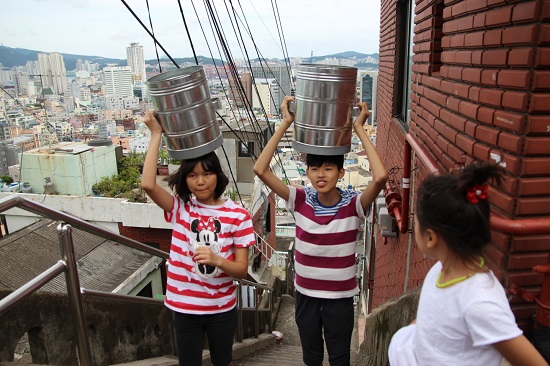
543 300
33 285
520 227
18 201
111 295
64 233
239 331
421 154
370 274
405 188
394 204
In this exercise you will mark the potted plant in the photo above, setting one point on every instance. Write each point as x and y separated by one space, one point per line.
162 166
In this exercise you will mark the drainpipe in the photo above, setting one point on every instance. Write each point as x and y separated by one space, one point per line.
372 255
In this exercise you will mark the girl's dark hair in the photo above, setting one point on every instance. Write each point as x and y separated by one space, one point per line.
442 205
210 162
319 160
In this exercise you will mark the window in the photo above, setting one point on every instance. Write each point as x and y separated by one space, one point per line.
247 150
405 14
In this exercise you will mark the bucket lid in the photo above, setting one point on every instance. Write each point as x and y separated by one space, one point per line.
175 74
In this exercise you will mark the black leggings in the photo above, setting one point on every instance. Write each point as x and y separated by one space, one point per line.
220 331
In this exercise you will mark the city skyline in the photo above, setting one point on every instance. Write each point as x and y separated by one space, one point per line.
106 28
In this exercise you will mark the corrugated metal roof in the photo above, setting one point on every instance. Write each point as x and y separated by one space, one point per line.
102 264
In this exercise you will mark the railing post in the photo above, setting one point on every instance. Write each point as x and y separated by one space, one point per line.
64 233
256 312
240 330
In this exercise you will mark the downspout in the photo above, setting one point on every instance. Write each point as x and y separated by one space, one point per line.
370 274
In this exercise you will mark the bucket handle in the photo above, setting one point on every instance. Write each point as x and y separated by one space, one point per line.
216 103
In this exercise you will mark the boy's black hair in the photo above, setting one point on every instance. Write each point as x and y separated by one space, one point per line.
443 206
210 162
319 160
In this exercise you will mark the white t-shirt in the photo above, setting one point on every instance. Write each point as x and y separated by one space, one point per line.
456 325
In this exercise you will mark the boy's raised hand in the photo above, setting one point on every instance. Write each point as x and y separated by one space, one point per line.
287 115
363 115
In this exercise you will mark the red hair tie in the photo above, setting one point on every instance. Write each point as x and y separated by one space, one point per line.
476 193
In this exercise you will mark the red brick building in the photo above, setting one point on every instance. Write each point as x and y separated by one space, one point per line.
464 80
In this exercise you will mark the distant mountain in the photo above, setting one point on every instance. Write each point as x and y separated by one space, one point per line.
10 57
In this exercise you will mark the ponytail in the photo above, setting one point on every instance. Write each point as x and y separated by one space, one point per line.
455 206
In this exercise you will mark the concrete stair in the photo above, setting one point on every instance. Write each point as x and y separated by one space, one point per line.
278 354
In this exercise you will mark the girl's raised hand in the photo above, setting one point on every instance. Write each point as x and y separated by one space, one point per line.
151 122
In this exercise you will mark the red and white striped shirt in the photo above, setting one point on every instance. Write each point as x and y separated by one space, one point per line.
197 289
326 240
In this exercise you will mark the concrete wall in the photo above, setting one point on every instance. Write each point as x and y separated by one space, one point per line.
72 172
381 324
119 331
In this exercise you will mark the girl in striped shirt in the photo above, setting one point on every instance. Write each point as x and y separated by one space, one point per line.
210 237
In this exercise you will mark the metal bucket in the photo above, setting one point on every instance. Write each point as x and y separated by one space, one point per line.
325 95
186 112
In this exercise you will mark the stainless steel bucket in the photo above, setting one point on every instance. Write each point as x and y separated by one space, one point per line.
325 95
186 112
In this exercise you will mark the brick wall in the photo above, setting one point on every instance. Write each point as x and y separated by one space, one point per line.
157 237
481 77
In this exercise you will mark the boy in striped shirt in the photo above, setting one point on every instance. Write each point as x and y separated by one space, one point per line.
327 221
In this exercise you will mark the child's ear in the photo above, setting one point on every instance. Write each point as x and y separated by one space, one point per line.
432 238
341 173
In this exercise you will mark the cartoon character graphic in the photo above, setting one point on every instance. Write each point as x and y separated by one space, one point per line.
207 235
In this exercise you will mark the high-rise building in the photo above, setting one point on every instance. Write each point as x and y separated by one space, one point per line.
281 74
136 61
21 83
118 81
79 64
241 91
53 72
264 97
369 86
366 89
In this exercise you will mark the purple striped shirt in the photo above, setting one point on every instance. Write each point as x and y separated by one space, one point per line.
326 239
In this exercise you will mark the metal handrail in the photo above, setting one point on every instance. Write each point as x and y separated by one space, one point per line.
68 265
37 208
263 247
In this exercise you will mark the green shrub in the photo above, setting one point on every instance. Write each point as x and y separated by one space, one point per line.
6 179
125 184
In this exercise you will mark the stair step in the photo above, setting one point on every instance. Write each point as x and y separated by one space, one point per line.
279 354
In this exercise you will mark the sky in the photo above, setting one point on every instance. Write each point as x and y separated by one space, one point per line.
106 27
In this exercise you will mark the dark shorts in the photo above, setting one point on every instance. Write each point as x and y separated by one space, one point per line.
333 318
220 332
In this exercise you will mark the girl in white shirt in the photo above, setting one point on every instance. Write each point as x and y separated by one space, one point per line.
463 317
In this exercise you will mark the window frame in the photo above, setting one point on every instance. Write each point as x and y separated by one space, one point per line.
405 44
